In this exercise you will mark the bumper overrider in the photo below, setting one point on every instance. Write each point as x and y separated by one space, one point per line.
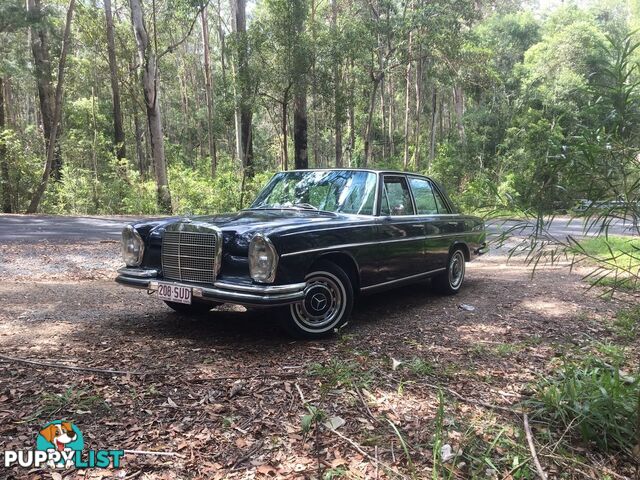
220 291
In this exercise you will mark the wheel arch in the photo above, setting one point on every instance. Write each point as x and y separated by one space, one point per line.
459 245
345 261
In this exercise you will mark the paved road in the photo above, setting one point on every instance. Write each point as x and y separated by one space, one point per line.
59 229
67 229
561 227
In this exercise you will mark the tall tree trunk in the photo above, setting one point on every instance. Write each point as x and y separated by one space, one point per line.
94 149
223 48
242 87
407 106
237 115
150 87
223 72
11 107
43 74
383 106
317 161
57 113
4 161
118 128
301 157
185 134
440 117
383 117
458 100
368 132
391 124
284 129
432 137
208 84
418 111
140 151
352 113
338 108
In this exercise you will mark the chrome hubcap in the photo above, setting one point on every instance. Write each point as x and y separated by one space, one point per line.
323 304
456 269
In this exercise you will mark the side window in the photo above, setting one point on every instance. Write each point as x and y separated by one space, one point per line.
396 199
423 195
442 205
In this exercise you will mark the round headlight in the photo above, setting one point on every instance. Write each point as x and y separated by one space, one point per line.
263 259
132 247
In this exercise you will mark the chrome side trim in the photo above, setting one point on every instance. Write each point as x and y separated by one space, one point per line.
378 242
411 277
356 225
138 272
415 218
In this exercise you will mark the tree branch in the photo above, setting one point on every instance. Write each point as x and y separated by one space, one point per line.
171 48
532 448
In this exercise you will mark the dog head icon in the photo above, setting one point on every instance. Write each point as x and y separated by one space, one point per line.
59 434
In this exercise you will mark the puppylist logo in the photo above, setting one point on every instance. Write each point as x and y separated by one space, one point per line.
61 445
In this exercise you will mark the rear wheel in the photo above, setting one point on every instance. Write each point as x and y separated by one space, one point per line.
195 307
326 306
450 281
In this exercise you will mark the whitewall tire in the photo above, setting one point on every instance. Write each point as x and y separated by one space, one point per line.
326 306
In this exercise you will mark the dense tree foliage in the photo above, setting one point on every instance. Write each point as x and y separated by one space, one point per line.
186 106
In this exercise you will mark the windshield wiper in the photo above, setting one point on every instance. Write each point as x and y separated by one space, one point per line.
305 206
288 206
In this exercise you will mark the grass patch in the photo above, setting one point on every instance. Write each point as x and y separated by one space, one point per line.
627 322
591 400
483 448
421 367
506 349
630 284
611 353
603 247
336 373
71 400
617 259
334 473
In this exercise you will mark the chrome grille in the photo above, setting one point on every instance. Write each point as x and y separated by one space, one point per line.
189 256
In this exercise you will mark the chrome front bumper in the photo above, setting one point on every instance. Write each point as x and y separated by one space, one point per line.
221 291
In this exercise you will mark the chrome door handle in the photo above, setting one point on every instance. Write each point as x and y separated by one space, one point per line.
453 224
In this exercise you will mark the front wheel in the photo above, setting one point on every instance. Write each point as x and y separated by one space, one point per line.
326 306
450 281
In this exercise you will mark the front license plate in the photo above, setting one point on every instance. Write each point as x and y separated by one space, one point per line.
174 293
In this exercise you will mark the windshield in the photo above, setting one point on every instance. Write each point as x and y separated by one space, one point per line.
338 191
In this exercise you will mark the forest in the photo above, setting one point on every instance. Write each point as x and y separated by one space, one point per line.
188 106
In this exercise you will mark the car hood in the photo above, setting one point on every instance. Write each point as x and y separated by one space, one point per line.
239 228
265 220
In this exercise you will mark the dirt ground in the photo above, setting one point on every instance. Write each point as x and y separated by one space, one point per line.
228 395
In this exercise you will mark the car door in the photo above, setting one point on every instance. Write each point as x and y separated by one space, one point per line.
401 233
433 213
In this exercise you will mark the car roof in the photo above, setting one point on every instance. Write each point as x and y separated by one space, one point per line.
370 170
